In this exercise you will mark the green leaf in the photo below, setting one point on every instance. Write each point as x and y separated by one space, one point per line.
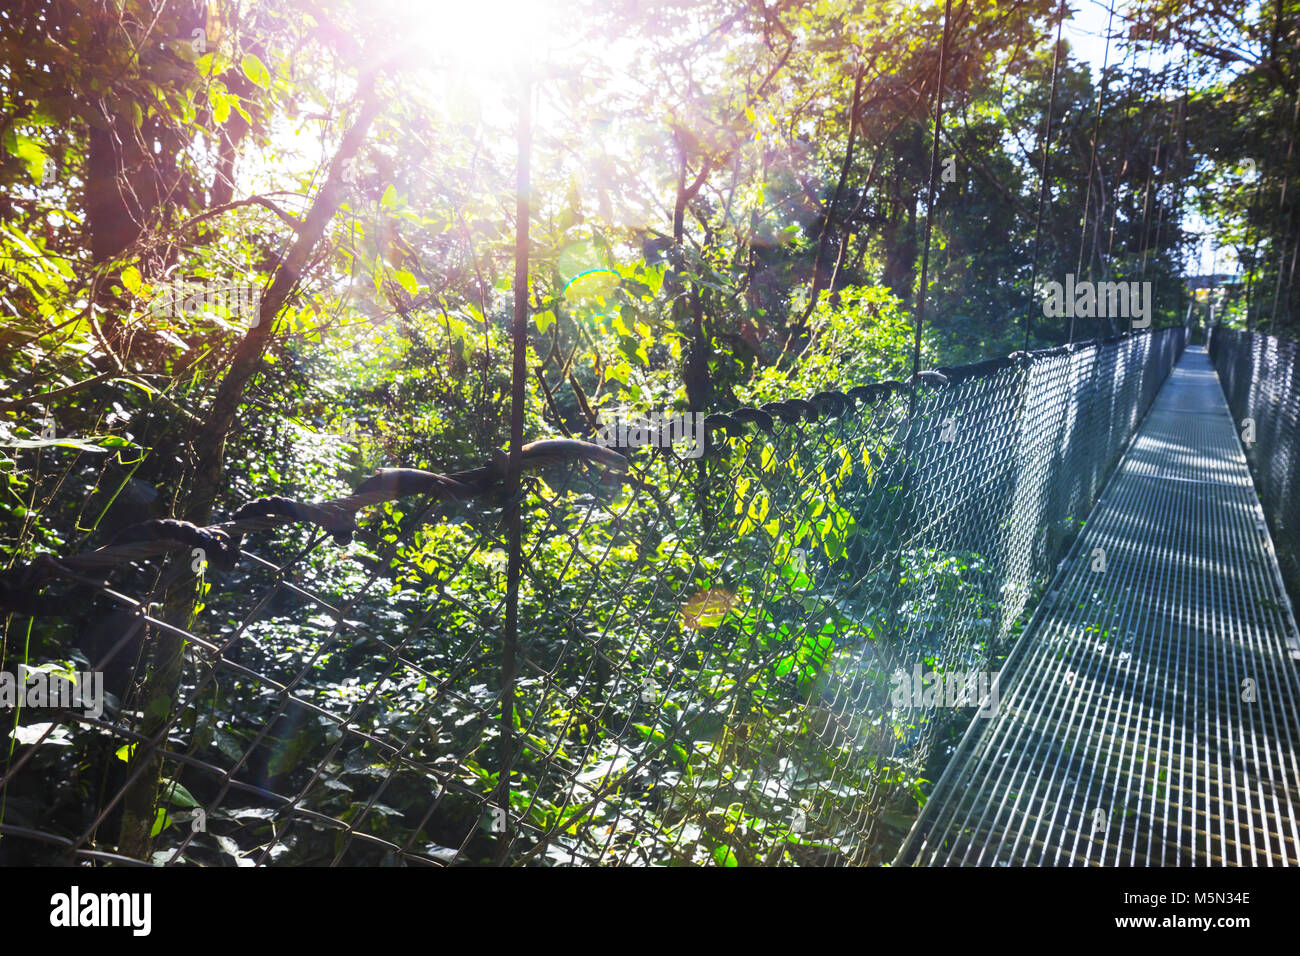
650 733
160 822
148 390
389 199
220 103
406 280
622 371
544 320
53 443
724 857
255 70
30 152
131 279
176 794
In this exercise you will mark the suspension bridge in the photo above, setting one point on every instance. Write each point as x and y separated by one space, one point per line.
650 659
1151 713
1080 521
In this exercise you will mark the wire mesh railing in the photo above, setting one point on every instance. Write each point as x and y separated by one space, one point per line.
1261 384
753 656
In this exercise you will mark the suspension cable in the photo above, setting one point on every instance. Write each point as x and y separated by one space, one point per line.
1092 160
934 168
1166 144
1151 178
1281 202
1042 174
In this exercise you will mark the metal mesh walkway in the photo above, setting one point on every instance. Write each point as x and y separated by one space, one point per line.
1150 715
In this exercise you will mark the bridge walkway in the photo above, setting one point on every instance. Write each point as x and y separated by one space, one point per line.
1150 714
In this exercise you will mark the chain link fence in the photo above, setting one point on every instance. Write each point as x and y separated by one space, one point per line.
1260 382
755 656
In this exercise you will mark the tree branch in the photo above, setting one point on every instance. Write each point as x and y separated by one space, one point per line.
210 439
292 222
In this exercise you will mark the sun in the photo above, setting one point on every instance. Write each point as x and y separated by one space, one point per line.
486 38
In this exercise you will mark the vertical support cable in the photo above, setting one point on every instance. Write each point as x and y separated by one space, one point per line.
905 516
1281 203
1092 165
1042 173
514 520
1164 178
1252 217
929 203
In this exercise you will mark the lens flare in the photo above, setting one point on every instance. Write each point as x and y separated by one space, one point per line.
708 608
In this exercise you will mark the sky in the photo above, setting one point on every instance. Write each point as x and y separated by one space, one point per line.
482 38
1086 31
481 32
